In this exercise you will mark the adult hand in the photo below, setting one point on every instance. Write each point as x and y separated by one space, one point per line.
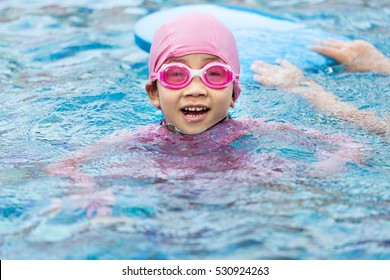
284 75
355 55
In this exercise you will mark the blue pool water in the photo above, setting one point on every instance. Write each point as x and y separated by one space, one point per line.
70 74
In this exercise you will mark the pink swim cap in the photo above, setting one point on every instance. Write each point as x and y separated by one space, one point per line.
194 33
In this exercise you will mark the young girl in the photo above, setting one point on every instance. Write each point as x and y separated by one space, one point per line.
194 73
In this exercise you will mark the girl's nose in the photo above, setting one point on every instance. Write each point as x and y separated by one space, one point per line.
195 88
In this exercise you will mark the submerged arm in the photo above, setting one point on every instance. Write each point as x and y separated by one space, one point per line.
96 201
339 149
70 166
291 79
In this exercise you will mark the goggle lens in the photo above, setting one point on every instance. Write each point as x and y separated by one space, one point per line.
175 75
217 75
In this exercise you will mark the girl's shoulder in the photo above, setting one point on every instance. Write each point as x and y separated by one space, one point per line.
139 134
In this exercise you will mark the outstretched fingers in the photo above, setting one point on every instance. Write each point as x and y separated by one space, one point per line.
334 43
287 65
328 51
333 48
265 73
261 67
283 75
264 80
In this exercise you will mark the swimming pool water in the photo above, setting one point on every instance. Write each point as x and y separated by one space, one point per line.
71 74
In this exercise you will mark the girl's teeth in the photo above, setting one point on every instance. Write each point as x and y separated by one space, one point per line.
195 109
194 112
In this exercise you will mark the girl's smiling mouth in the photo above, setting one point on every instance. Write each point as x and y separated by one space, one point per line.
194 113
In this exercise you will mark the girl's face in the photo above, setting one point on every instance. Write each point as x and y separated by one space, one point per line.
196 107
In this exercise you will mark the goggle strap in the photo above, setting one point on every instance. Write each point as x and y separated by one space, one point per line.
154 77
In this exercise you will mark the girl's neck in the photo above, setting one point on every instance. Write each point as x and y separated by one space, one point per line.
175 129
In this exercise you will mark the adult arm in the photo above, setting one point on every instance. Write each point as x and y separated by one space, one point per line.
291 79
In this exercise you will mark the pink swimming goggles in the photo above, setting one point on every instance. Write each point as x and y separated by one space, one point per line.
215 75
